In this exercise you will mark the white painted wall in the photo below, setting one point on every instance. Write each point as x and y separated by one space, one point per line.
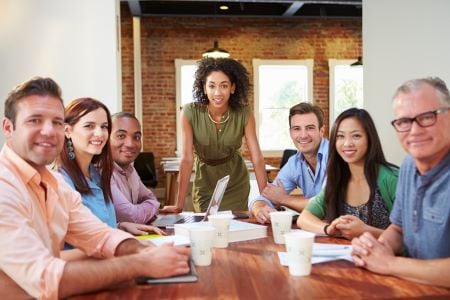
402 39
74 42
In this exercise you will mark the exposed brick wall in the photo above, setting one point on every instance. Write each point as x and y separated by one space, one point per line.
166 38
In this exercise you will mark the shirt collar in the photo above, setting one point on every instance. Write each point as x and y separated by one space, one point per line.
123 171
26 172
436 170
323 149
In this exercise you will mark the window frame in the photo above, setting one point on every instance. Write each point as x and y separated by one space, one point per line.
179 63
332 63
308 63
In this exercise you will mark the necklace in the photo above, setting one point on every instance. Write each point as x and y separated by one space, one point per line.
220 122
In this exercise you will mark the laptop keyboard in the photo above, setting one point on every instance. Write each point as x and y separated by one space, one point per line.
190 219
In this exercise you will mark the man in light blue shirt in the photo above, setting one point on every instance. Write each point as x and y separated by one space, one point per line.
420 218
305 170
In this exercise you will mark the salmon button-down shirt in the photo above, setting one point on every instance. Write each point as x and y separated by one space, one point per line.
38 211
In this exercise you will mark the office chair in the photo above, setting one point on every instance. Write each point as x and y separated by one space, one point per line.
286 154
145 167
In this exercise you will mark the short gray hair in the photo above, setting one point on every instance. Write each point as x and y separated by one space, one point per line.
416 84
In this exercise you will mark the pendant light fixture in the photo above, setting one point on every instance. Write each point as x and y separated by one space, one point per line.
216 52
357 63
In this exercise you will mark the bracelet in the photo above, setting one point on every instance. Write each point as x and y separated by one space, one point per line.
325 229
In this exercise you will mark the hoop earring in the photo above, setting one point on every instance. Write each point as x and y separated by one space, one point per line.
70 148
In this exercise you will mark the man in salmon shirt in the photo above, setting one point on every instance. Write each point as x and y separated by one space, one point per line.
39 211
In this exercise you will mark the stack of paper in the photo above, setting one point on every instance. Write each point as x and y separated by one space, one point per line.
239 231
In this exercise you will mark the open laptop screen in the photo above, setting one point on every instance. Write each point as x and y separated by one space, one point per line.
217 196
213 208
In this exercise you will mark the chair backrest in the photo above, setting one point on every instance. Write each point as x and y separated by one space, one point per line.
145 167
286 154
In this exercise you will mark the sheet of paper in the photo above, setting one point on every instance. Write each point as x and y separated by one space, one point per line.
323 252
314 260
322 249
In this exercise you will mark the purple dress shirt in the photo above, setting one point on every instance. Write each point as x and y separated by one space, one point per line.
133 201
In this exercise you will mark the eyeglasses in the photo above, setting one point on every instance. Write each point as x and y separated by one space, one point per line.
425 119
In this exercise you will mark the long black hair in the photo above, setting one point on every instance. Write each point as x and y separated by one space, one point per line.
338 172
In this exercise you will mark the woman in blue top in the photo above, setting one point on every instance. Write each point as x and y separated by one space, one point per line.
86 162
361 184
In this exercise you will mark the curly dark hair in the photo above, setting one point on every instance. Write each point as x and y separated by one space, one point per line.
235 71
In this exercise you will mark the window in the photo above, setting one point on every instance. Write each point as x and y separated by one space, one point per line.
346 87
278 85
184 73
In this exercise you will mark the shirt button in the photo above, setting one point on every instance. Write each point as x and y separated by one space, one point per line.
415 212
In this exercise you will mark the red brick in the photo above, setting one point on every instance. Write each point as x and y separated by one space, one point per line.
166 38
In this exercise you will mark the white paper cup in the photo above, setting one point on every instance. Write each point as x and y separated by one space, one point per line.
222 225
281 223
201 239
299 250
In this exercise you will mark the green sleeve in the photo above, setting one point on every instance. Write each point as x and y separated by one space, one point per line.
387 183
316 205
187 110
246 112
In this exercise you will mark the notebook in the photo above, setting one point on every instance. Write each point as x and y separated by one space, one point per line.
189 277
213 208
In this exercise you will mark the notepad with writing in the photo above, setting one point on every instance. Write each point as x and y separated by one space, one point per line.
189 277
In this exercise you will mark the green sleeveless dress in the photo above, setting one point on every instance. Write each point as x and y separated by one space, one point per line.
217 155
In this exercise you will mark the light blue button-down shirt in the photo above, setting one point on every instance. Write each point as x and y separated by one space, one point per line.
422 209
297 173
95 201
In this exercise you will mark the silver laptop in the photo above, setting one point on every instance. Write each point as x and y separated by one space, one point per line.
213 207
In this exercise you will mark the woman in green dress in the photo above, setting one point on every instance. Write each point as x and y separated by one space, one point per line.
212 130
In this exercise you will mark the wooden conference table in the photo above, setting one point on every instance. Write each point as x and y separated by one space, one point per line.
252 270
171 167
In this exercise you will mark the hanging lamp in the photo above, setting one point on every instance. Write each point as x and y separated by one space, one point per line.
357 63
216 52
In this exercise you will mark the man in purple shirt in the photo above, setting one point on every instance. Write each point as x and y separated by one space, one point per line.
133 201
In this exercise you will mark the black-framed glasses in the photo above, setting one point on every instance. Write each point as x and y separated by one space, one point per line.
425 119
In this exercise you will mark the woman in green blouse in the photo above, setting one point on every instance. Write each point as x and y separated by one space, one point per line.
360 185
212 130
